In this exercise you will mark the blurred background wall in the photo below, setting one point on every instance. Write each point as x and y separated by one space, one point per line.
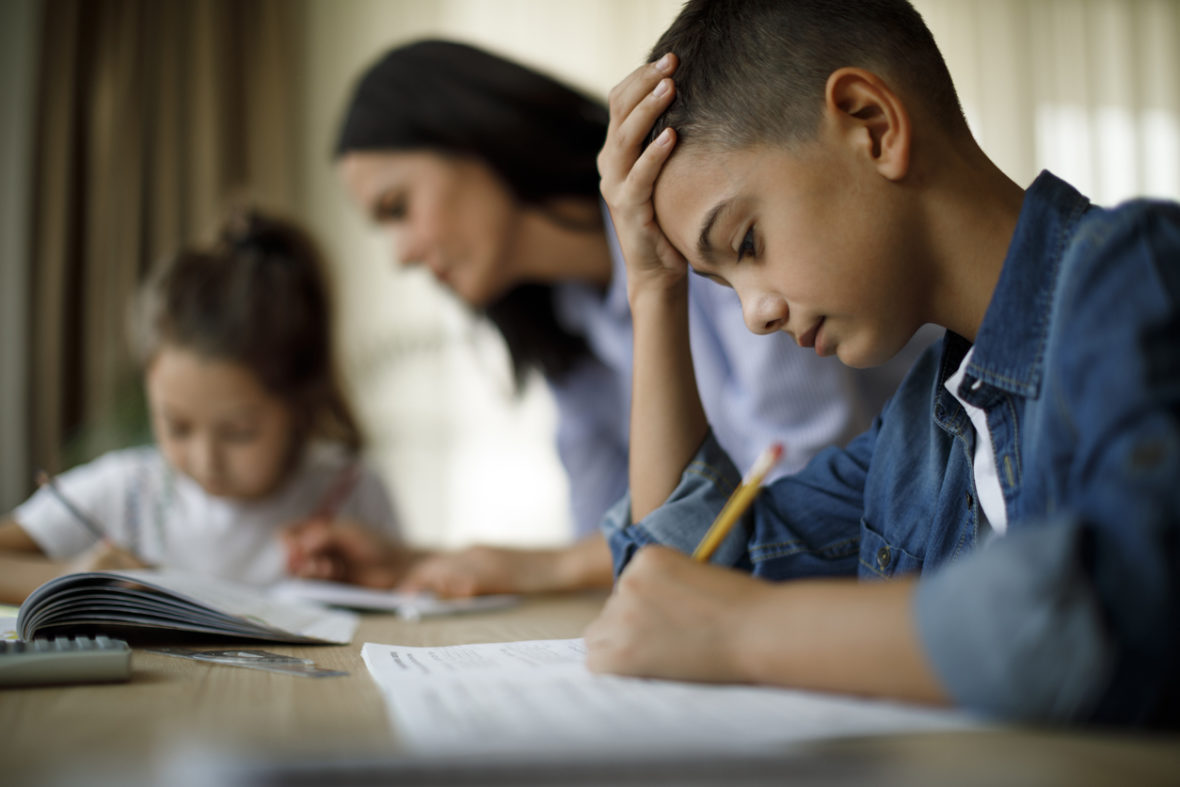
128 123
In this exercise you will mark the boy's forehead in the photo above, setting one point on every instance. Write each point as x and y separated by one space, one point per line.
689 191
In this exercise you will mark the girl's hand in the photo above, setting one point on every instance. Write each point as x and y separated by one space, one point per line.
344 551
628 175
672 617
106 556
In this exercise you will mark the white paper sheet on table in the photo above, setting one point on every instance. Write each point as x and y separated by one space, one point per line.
538 696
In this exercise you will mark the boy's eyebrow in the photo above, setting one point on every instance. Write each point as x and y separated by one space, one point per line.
703 244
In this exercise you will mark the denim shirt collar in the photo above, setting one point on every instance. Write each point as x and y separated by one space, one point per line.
1010 342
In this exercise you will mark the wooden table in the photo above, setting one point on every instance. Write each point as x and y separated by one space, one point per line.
177 710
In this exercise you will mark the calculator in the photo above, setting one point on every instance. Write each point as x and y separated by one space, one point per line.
64 660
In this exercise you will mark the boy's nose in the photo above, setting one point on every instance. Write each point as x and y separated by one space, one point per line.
765 314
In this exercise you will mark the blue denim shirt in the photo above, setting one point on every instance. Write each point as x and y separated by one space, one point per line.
1075 612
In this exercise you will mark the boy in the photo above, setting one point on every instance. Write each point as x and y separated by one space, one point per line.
1019 495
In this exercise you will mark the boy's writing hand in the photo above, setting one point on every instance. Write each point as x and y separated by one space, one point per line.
343 551
672 617
628 175
106 556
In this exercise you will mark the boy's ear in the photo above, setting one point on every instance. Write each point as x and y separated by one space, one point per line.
872 118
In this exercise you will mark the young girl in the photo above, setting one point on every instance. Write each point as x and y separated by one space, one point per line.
252 431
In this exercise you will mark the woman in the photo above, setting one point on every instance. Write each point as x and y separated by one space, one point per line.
485 171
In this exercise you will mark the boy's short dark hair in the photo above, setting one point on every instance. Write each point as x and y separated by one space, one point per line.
754 71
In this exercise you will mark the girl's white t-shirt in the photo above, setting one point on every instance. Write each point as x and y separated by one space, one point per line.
167 519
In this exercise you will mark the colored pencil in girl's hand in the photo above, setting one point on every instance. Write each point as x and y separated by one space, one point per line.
46 480
339 490
738 502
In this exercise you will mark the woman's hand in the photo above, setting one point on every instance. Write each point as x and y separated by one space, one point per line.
106 556
483 570
344 551
628 175
672 617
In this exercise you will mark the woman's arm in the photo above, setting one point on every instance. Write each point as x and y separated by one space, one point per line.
481 570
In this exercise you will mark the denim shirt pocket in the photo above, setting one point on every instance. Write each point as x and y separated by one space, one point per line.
880 557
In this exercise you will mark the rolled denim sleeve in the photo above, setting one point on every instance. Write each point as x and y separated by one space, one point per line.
1017 630
804 525
681 522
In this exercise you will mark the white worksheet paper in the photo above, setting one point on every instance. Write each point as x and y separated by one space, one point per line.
538 696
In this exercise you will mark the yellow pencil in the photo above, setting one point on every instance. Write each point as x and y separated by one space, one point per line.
738 502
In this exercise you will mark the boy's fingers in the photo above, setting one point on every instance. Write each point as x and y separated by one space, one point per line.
634 128
636 85
641 180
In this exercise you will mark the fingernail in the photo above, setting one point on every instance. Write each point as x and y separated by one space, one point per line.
665 137
664 62
662 88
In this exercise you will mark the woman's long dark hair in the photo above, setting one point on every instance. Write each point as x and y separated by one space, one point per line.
540 136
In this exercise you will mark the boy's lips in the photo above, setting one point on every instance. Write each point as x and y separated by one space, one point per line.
808 339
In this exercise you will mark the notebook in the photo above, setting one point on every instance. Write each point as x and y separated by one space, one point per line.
144 600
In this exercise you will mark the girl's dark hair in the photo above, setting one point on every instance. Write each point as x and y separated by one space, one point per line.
538 135
258 297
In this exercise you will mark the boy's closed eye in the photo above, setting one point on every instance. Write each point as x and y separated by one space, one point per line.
747 246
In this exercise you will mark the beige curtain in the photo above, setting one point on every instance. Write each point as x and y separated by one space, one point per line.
151 117
1087 88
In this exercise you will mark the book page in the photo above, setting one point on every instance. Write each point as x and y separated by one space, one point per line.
254 605
532 696
410 606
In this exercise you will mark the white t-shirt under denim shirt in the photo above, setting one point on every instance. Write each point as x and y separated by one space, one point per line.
167 519
987 480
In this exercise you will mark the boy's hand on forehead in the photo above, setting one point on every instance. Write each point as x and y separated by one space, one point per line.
628 175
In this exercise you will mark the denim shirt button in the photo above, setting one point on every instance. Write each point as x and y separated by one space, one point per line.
970 501
883 558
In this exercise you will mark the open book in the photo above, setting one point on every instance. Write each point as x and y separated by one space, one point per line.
147 599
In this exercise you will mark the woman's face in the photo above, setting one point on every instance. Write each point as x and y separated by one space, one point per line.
453 215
